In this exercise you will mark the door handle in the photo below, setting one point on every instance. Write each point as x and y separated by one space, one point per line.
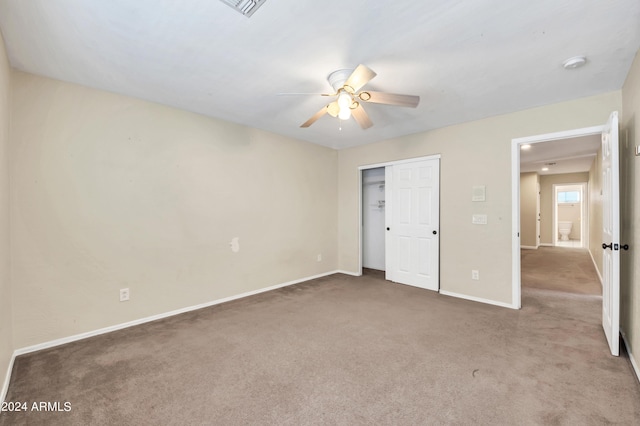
388 229
435 232
610 246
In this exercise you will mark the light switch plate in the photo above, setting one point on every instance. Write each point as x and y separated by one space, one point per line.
479 219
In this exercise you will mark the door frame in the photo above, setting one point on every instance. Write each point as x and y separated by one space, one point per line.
516 290
375 166
538 214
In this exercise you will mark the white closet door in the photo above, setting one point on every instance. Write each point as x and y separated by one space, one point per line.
413 226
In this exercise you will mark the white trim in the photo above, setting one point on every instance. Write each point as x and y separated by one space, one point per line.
547 137
595 265
69 339
516 290
407 160
529 247
516 300
353 274
360 222
634 364
7 378
478 299
546 245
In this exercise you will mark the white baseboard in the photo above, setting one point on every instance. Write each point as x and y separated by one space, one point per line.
64 340
634 364
529 247
7 378
595 265
353 274
478 299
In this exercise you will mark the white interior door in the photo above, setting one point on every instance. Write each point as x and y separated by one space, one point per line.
413 223
611 235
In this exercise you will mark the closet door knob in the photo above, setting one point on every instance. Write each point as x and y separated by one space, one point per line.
435 232
388 229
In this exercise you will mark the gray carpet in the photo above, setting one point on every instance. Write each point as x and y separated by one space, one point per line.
560 268
342 350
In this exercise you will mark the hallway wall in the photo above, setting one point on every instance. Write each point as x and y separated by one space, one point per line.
595 210
528 200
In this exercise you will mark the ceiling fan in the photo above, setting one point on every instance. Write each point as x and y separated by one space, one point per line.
350 99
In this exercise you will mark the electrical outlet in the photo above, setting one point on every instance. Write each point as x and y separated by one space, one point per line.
319 258
124 294
475 274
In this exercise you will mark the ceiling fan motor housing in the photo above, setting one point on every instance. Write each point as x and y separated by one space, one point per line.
337 78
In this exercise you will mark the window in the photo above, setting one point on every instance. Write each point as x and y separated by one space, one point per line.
569 197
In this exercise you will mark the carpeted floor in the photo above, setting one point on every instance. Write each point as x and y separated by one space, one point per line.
559 268
342 350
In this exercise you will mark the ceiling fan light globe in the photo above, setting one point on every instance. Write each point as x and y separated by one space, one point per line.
344 100
344 114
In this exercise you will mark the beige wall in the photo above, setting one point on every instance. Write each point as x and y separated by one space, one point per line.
6 342
630 208
595 210
546 198
474 153
112 192
528 208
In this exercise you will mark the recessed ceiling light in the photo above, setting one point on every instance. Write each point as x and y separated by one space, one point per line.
575 62
544 169
525 146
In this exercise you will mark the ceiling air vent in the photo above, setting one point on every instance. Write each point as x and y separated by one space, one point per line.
246 7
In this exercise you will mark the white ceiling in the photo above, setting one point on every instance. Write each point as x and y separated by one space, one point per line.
466 59
570 155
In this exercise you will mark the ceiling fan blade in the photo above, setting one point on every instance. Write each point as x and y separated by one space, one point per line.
332 109
410 101
306 94
361 117
315 117
359 77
